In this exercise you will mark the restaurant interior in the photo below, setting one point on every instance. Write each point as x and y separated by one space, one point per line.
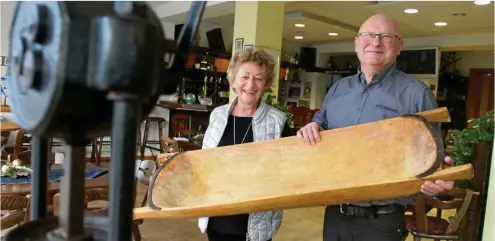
447 45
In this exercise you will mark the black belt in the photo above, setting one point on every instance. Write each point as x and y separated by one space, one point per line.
371 211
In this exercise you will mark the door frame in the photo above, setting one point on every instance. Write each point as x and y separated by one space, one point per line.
474 90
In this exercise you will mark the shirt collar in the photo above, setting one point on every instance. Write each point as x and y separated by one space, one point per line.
382 75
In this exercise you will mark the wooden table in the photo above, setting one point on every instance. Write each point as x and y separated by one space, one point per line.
53 188
5 108
9 126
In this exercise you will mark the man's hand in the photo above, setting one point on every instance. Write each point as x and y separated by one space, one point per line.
310 133
433 188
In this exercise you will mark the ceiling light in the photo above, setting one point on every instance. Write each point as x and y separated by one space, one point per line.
298 37
440 24
333 34
299 25
411 11
482 2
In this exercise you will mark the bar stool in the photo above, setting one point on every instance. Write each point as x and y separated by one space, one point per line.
160 121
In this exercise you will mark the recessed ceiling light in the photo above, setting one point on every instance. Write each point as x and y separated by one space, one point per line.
440 24
482 2
298 37
299 25
333 34
411 11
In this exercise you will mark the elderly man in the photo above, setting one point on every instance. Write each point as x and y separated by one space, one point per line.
379 91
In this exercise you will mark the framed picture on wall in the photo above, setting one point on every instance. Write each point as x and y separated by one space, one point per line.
247 46
239 44
294 92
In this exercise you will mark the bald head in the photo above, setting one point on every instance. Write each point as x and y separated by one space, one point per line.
380 23
378 43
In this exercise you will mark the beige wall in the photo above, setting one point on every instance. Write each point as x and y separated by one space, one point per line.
7 12
474 59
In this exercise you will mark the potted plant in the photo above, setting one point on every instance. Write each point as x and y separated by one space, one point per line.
271 99
480 132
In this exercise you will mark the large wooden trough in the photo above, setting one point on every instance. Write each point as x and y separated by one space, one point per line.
375 161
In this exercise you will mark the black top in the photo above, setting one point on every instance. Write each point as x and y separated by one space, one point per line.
237 224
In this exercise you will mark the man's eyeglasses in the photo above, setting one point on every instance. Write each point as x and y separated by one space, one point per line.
382 36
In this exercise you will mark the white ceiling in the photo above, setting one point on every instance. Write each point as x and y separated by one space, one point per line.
345 18
155 3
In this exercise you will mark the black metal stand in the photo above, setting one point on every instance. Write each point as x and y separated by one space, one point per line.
39 176
78 71
125 121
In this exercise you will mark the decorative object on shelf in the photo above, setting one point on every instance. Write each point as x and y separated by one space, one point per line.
307 91
247 46
190 98
239 42
205 100
271 99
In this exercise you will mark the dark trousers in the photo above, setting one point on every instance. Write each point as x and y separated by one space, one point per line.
386 227
217 236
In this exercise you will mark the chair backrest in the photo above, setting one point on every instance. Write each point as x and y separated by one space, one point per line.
458 199
97 194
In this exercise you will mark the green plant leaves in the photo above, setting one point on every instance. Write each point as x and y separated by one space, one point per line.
481 131
271 99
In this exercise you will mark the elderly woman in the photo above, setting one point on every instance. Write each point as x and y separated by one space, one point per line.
246 119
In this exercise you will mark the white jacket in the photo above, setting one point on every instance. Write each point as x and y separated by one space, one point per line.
268 123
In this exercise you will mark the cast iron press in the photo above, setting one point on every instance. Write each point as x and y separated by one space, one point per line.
81 70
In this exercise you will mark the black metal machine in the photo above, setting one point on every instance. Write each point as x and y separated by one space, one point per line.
80 70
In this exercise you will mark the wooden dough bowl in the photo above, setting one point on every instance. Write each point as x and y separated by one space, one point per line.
374 161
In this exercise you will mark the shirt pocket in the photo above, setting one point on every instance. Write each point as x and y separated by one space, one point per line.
387 112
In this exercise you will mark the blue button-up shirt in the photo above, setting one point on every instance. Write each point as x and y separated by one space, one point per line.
391 93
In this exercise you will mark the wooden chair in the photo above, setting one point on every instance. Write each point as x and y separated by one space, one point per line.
301 116
422 226
15 211
17 147
97 194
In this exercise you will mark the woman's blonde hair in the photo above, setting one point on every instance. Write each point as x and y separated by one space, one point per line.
255 56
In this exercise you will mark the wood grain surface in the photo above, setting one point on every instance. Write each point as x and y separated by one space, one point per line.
373 161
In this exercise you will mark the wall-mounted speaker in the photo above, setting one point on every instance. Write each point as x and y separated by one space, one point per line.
307 57
215 40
